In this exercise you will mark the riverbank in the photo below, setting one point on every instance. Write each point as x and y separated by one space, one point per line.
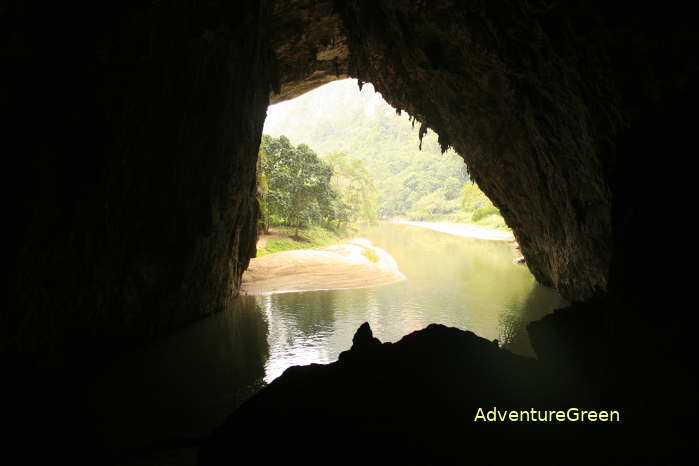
280 238
465 230
354 264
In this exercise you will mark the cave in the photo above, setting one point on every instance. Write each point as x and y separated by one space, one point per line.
132 141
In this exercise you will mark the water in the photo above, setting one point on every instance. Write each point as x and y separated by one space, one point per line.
460 282
188 383
182 386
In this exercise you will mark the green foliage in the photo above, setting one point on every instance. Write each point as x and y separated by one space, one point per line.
309 238
298 185
480 208
493 221
378 168
483 212
452 188
370 254
355 185
365 128
262 188
280 245
473 198
434 206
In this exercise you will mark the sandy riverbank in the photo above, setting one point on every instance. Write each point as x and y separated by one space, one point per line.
333 267
463 229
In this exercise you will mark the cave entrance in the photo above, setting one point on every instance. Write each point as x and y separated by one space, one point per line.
366 219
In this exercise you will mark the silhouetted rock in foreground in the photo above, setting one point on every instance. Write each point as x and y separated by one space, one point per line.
364 338
415 402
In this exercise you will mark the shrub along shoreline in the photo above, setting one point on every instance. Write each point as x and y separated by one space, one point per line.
282 239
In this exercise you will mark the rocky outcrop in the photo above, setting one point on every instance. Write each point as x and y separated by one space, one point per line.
309 44
416 402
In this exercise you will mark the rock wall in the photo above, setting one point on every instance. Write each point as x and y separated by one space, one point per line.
521 92
310 46
134 196
517 91
553 105
132 200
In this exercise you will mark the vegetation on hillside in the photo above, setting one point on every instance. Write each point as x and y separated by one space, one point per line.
355 186
298 189
407 182
479 209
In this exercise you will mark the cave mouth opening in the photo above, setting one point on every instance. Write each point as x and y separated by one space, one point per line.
419 243
120 230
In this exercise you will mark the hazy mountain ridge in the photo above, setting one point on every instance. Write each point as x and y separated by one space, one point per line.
339 118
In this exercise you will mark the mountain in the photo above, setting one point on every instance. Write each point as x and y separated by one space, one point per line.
338 117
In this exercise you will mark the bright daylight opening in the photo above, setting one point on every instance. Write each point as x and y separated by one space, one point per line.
362 222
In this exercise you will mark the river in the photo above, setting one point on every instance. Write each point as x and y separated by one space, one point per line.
461 282
186 384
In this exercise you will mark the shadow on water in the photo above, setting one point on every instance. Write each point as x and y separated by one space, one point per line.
461 282
513 322
152 405
177 390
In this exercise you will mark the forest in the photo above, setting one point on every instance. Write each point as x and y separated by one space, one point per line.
363 162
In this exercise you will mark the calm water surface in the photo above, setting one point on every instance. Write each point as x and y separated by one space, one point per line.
460 282
186 384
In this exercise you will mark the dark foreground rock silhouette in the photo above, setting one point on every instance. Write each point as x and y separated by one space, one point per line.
415 401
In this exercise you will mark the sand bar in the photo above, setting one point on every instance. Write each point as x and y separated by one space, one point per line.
463 229
333 267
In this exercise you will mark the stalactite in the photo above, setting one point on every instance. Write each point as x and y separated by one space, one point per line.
421 134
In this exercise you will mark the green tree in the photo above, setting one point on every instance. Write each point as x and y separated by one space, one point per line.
263 187
363 126
355 185
299 191
473 198
480 208
452 187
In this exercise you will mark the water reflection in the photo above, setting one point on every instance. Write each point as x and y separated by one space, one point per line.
466 283
513 333
186 384
182 386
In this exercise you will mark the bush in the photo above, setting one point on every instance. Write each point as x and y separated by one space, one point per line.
483 212
493 221
309 238
370 254
473 198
